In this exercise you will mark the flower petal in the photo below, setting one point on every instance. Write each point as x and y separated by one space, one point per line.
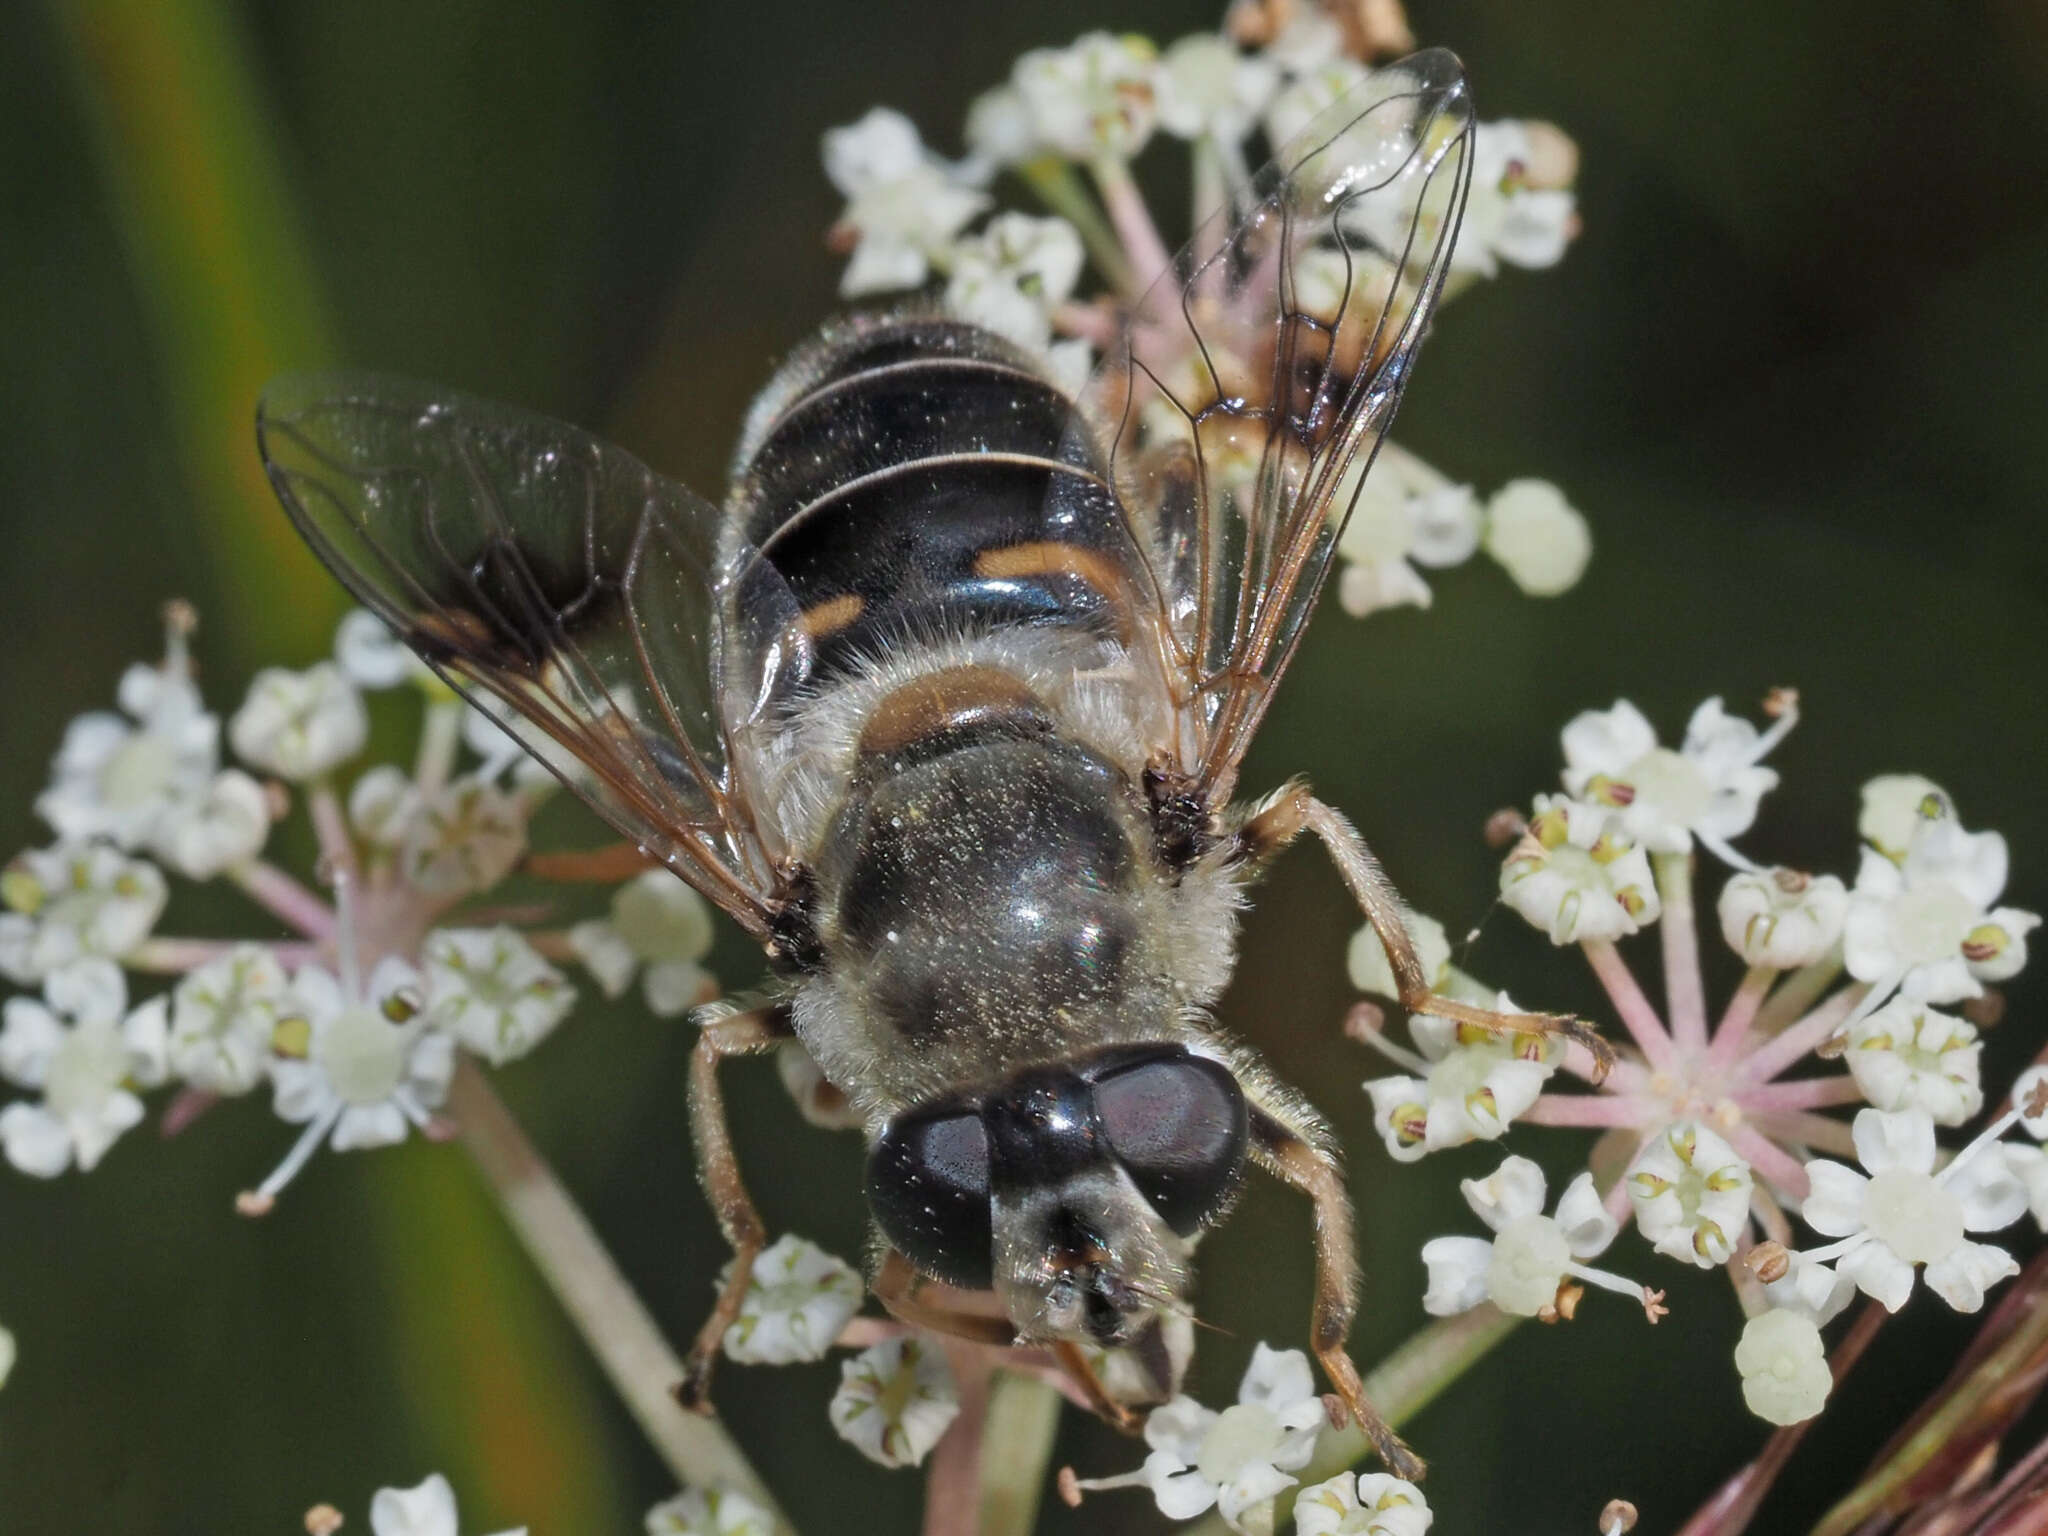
1888 1139
1879 1273
1457 1274
1834 1207
1587 1226
1963 1276
427 1510
1514 1190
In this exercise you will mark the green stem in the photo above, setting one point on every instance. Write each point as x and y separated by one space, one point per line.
1023 1417
599 1301
1060 187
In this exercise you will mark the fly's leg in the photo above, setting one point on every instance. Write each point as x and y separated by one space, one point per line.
1296 1156
1284 817
1113 1413
612 864
736 1034
898 1288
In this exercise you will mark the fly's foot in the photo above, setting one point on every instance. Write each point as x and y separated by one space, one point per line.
1540 1025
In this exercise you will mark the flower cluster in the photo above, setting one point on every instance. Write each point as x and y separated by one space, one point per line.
1068 124
356 1022
1712 1147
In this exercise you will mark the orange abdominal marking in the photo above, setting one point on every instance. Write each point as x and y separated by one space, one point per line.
950 699
832 615
1049 557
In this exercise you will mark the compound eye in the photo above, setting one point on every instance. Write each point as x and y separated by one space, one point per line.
928 1187
1177 1124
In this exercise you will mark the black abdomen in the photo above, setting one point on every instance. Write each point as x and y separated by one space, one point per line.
912 476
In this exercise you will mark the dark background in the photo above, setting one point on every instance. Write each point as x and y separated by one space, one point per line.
1791 373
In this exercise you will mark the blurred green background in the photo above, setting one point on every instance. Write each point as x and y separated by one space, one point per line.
1792 372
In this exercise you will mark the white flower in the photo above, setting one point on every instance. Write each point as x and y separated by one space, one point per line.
659 921
356 1068
1537 537
895 1400
1709 788
1782 918
299 725
1310 92
1926 926
1478 1083
709 1512
492 991
1894 806
901 205
1812 1289
999 132
1511 216
1578 875
1009 277
1240 1457
1208 89
464 839
223 827
382 804
1311 38
1784 1366
1690 1190
1530 1254
72 901
8 1354
79 1050
428 1510
1405 514
1907 1055
1151 1367
2026 1089
2030 1166
223 1018
1362 1504
373 658
141 778
1904 1214
1095 97
797 1300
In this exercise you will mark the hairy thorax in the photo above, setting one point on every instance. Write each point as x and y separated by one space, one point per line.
990 898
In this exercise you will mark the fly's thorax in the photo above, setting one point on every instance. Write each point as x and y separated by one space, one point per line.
988 896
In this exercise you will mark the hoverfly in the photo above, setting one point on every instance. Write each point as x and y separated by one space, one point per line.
945 707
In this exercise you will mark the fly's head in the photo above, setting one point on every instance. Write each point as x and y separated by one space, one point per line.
1070 1190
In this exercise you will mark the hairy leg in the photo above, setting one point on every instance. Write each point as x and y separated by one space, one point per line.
1293 1155
1293 811
736 1034
902 1291
903 1294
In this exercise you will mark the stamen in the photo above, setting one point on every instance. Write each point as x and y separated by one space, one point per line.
1727 854
181 619
1364 1024
259 1201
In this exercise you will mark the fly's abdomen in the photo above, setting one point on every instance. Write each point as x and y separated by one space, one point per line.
911 477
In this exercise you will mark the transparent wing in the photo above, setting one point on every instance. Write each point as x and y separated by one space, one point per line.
1253 383
542 569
